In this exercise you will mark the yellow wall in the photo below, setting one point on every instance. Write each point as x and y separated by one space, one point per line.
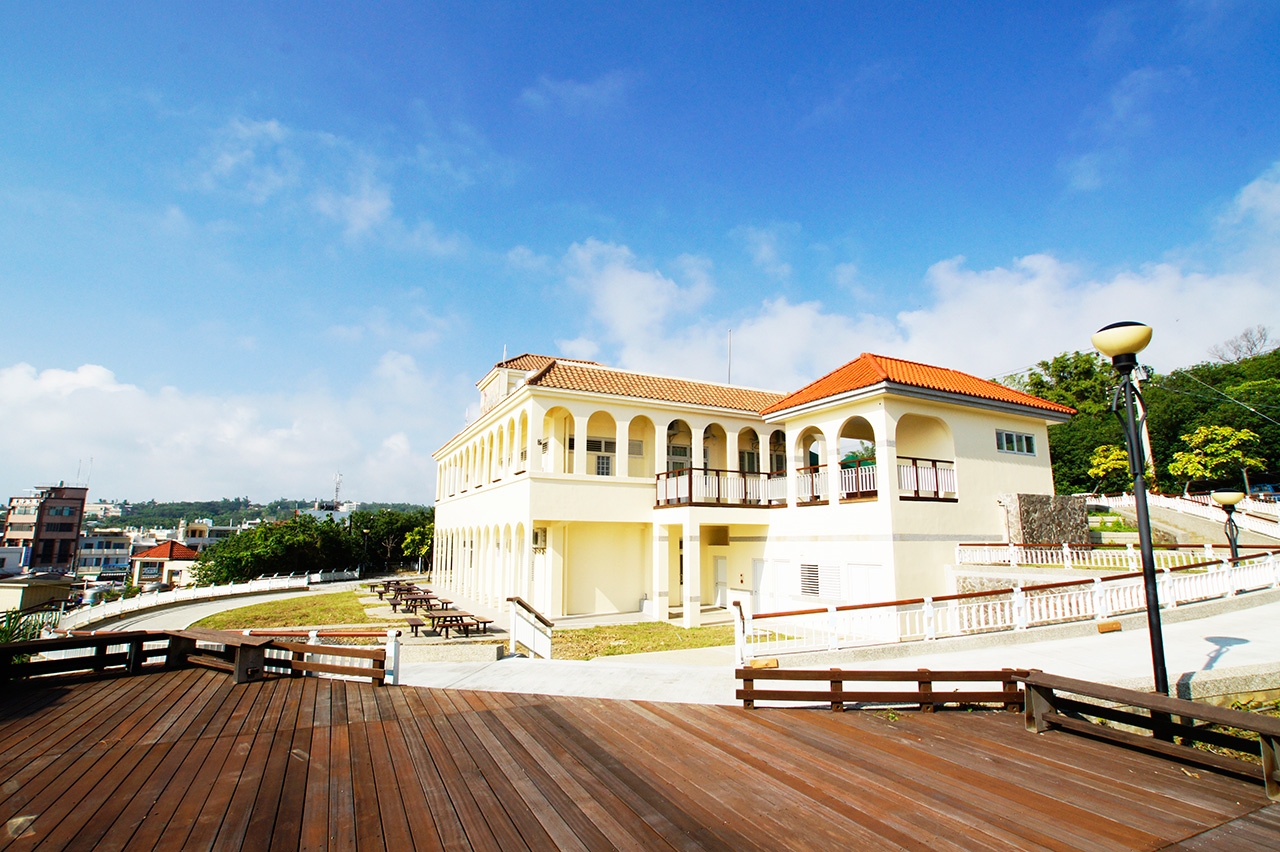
605 567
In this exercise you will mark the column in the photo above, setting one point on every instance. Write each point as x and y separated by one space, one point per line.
580 445
622 458
660 582
692 575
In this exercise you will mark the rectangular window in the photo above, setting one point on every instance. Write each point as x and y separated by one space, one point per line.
1016 442
809 580
604 465
635 448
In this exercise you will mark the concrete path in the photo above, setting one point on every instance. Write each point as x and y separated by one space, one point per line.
1245 641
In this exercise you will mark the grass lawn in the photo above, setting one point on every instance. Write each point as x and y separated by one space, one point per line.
302 611
640 638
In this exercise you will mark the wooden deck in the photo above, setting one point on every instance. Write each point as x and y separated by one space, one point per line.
186 760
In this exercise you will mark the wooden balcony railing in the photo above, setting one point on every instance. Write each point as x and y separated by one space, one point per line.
707 487
858 481
926 479
811 484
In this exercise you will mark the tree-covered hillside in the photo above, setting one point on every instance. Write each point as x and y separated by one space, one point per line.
1241 394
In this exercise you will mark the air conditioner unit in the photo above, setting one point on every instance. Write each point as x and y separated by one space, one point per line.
539 538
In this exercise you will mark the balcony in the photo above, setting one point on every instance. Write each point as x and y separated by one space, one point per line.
926 479
858 482
694 487
811 485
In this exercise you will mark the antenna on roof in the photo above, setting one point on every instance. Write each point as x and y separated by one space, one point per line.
729 378
504 353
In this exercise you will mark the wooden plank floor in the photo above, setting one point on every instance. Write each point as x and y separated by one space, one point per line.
184 760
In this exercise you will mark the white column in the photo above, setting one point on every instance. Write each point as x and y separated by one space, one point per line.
580 445
692 575
621 459
659 586
833 464
731 450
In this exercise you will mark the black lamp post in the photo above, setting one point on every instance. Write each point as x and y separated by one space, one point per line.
1228 500
1121 342
365 561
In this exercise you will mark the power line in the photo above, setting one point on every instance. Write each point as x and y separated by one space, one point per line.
1225 396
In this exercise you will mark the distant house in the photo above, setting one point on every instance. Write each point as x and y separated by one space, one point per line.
585 489
104 556
167 562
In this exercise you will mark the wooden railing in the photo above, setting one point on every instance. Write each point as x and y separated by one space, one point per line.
924 696
711 487
1166 719
811 484
926 479
133 652
530 628
858 481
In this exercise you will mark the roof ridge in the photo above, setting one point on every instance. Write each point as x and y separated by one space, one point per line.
671 378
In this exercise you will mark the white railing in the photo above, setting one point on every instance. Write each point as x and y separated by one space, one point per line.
719 487
777 485
1015 608
333 576
926 479
1201 508
858 481
1126 558
811 484
530 628
189 594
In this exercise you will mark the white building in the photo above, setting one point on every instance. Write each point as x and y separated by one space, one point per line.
586 489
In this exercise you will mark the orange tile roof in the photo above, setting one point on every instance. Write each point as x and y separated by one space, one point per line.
530 361
867 370
584 376
168 550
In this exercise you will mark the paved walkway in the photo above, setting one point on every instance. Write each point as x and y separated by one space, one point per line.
1244 642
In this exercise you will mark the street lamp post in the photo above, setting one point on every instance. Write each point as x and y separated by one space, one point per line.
1228 500
1121 342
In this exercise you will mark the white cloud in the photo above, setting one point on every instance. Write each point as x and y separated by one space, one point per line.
765 247
366 207
987 321
175 443
251 159
576 98
525 259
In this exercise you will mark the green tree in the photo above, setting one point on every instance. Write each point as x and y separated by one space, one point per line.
417 543
299 545
1216 452
386 532
1082 380
1109 467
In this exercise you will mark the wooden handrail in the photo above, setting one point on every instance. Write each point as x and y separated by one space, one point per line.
1045 709
524 605
924 696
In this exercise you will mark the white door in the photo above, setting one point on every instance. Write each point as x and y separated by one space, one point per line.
757 580
722 581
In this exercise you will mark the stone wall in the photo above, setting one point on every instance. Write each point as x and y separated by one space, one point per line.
1045 518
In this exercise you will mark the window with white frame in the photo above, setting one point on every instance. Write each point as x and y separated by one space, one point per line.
1015 442
820 581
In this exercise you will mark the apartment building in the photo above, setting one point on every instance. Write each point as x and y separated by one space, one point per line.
47 520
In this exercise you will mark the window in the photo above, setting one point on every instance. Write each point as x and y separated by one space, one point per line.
600 445
1016 442
604 465
635 448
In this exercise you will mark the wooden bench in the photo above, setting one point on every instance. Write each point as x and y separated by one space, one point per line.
481 624
415 623
298 664
243 657
1046 708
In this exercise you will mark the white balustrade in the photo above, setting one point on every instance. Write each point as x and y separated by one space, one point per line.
1016 608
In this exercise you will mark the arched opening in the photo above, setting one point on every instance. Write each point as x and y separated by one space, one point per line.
557 441
679 445
748 450
641 450
522 445
714 448
926 458
602 444
811 466
857 449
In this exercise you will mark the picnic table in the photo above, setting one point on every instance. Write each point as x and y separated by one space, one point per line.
412 602
442 621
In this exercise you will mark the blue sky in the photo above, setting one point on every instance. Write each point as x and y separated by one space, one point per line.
243 247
